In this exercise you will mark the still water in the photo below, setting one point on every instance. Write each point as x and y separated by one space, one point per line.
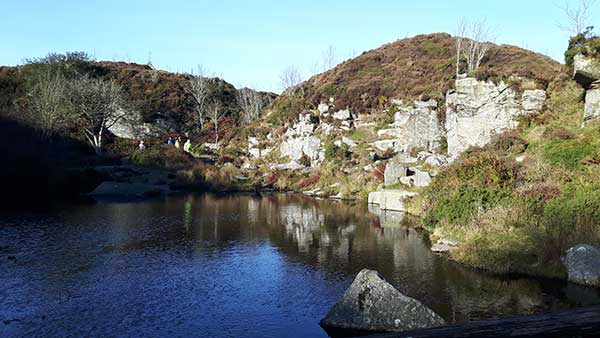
235 266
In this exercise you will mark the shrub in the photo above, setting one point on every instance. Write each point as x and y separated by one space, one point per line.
479 181
162 156
508 142
379 172
573 218
568 153
585 43
333 152
559 133
309 181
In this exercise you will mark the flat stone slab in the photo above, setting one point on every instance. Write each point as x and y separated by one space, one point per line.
390 199
372 304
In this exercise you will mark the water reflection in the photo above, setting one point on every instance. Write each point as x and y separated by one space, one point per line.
227 266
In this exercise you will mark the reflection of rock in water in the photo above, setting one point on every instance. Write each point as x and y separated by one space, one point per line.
387 218
302 223
253 210
475 295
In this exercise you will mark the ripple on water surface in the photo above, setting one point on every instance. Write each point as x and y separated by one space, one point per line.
205 266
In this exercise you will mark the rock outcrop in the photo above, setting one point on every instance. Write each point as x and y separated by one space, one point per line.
299 141
586 70
477 110
583 265
372 304
587 74
132 127
393 173
414 127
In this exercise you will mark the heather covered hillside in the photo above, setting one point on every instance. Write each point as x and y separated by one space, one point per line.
422 66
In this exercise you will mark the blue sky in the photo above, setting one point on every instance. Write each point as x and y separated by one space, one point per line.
249 43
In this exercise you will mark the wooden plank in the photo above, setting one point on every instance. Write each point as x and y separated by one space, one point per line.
583 322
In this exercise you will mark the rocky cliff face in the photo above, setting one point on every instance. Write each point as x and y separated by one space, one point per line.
477 110
587 74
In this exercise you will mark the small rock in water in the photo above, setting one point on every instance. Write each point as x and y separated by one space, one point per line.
372 304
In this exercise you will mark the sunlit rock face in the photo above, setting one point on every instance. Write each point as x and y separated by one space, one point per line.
372 304
478 110
299 141
131 126
583 265
586 71
414 127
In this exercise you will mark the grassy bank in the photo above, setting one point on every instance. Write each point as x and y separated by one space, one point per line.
520 202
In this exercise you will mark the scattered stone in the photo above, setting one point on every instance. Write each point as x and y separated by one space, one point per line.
323 108
372 304
287 166
393 173
343 115
211 146
385 145
390 199
248 166
583 265
421 178
445 245
533 100
327 128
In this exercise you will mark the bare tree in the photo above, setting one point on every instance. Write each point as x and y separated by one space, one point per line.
474 43
461 31
97 106
48 104
328 58
215 112
578 17
290 78
251 104
199 89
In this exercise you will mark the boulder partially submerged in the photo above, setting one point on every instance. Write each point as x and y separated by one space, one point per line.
372 304
583 265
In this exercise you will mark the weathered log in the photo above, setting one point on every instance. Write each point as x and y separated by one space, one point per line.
583 322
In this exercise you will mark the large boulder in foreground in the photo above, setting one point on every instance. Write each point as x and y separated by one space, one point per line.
372 304
583 265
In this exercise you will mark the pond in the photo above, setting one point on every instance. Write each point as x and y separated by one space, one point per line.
208 266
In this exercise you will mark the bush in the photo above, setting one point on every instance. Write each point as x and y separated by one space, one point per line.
585 43
309 181
479 181
507 142
572 219
568 153
162 156
333 152
559 133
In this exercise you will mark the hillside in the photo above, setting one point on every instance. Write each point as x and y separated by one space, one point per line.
155 94
424 65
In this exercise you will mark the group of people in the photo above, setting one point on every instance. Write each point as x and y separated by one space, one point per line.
187 146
